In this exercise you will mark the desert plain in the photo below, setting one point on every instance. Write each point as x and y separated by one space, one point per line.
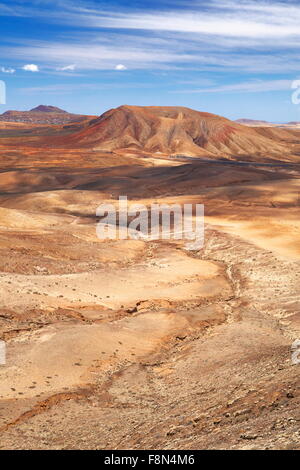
137 344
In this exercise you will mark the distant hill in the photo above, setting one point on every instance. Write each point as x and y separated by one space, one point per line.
42 114
255 123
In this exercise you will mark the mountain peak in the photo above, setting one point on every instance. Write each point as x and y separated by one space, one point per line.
47 109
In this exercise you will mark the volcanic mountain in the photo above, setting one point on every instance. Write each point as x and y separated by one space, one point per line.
177 131
42 114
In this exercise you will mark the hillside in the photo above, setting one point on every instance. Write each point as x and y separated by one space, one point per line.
175 131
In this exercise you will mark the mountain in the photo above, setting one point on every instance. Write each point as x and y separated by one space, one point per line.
174 131
42 114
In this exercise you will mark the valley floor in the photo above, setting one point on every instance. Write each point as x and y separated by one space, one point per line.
131 344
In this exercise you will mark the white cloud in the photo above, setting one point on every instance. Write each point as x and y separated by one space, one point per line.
100 54
75 87
120 67
249 19
256 86
256 36
141 53
67 68
31 68
7 70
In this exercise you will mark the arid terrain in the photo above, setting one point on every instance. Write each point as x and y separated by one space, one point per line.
136 344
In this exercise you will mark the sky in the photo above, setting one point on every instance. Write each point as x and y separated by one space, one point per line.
238 59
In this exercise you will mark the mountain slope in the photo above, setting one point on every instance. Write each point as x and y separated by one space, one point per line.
173 130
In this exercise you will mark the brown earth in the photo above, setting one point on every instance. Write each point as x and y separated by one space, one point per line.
135 344
175 130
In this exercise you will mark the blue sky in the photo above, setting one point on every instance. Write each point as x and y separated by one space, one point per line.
237 59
